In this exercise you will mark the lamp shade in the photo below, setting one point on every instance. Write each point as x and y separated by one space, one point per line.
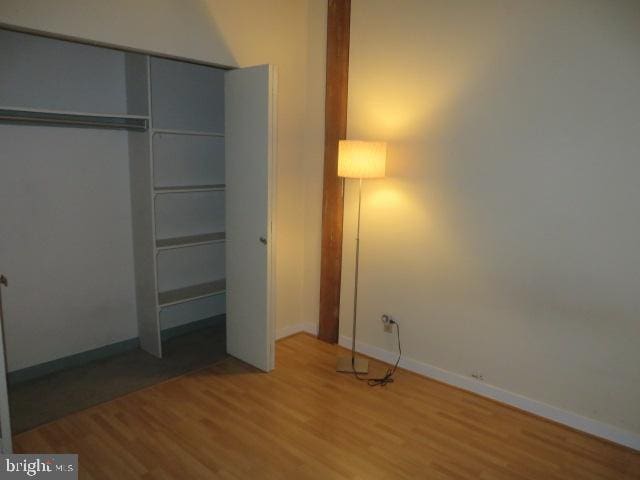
360 159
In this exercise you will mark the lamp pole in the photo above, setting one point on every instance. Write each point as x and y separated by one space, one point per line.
353 364
355 286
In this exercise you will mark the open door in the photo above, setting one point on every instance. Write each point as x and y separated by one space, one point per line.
250 129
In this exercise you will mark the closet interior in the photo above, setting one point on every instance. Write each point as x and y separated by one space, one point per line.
150 255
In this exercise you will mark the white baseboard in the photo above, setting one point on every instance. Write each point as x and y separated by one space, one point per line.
584 424
297 328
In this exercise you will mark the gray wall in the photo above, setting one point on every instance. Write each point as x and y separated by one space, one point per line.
65 241
505 238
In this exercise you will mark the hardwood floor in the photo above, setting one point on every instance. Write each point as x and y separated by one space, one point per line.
304 421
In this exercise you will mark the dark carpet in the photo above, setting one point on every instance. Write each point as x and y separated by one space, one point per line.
55 395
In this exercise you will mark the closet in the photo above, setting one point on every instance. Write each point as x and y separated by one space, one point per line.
136 195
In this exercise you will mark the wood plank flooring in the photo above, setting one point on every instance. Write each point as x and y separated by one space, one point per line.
304 421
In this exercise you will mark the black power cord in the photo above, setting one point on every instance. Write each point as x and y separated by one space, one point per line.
388 376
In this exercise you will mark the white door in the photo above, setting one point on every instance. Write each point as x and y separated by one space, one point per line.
250 106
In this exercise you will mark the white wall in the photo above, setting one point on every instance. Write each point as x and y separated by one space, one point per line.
237 33
314 161
65 234
505 238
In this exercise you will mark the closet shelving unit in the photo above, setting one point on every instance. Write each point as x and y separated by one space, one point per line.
190 241
194 292
194 133
189 188
187 145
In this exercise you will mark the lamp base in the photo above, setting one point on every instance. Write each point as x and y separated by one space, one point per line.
361 365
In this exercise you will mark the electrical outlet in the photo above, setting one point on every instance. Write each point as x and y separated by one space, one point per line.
478 376
387 324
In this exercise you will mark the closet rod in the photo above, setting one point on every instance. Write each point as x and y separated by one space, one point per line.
73 119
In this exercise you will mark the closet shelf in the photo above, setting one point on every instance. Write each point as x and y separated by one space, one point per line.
189 241
194 292
79 119
196 133
190 188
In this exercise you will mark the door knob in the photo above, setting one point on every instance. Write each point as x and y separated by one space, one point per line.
263 240
4 281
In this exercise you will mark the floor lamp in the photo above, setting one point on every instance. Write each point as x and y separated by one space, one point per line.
358 159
